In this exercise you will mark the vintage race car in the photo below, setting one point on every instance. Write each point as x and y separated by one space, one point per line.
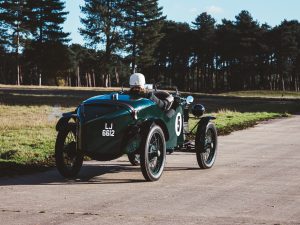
106 127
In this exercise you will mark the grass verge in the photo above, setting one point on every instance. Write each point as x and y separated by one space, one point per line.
265 94
228 121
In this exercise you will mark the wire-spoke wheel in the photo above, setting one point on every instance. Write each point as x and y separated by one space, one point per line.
153 153
68 159
134 159
206 146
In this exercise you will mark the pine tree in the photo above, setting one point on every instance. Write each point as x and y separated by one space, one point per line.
247 34
264 57
286 49
226 49
3 42
14 21
143 22
3 32
173 54
204 49
47 48
46 20
102 22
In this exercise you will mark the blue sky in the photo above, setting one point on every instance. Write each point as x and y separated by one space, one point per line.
269 11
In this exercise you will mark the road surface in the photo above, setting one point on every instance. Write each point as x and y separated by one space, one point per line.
256 180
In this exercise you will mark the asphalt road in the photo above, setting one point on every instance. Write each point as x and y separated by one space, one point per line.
256 180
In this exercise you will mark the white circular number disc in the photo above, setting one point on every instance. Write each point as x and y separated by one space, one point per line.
178 124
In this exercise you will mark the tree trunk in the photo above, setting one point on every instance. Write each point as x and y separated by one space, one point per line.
86 80
94 80
69 78
78 77
106 80
103 80
40 79
90 79
109 80
117 77
133 66
17 55
198 77
282 83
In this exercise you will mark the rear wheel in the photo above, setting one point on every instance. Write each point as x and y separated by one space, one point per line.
153 153
206 146
134 159
67 157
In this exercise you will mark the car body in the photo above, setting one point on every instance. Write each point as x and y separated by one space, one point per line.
111 125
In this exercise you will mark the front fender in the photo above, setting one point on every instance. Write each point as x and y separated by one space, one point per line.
64 120
145 125
205 120
202 124
137 130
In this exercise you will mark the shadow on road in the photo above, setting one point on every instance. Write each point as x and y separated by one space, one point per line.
89 174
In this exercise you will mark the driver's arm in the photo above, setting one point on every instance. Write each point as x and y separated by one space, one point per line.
161 104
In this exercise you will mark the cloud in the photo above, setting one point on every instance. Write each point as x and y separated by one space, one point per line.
214 9
194 10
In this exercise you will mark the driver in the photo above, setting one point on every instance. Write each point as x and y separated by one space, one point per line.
137 83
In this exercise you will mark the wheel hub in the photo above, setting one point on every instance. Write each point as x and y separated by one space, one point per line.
71 150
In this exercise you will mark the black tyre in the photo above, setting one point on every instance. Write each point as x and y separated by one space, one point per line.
206 144
153 153
68 159
134 159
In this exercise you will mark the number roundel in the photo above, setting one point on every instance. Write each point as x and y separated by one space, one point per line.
178 124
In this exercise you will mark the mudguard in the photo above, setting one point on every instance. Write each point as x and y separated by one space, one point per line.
64 120
202 124
205 120
142 128
146 125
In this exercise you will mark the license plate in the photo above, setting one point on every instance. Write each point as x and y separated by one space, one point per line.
108 130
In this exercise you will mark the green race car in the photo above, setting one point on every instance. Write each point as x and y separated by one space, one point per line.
145 128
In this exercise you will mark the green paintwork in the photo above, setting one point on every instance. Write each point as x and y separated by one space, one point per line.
101 112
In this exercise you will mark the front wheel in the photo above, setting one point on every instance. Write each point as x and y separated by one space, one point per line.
206 145
153 153
67 157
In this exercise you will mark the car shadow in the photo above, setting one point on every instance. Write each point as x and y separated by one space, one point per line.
89 174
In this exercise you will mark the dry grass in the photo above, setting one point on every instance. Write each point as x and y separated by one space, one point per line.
18 117
32 87
265 94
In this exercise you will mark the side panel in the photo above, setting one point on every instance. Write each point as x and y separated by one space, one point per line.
175 127
173 124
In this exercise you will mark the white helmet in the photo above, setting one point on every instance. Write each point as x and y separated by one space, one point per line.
137 80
